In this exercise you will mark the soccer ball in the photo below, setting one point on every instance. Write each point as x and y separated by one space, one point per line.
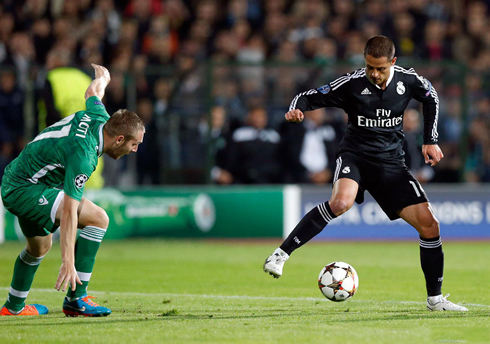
338 281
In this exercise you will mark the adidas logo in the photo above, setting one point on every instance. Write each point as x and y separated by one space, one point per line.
366 91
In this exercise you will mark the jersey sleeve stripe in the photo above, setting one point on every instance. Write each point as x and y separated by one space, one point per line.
334 85
433 93
434 133
406 71
336 81
295 100
357 74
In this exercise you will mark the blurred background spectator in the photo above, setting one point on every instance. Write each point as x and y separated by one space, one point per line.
308 149
253 154
147 166
60 86
11 118
176 60
478 160
218 141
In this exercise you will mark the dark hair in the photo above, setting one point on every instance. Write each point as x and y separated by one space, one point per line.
124 122
380 46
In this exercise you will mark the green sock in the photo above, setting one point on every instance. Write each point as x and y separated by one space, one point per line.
86 248
24 270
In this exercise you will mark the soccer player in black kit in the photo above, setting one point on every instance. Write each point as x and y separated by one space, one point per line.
370 157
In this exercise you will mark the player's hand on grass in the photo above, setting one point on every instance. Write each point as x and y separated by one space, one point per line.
432 154
67 275
294 116
101 73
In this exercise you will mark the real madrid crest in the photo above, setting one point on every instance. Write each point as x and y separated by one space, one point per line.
400 88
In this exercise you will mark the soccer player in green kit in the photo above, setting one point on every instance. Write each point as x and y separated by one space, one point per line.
65 153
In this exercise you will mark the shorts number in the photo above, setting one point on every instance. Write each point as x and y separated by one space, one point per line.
417 192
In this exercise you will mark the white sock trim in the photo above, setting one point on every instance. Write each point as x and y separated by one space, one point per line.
93 233
89 238
95 228
324 212
84 276
29 259
18 293
430 244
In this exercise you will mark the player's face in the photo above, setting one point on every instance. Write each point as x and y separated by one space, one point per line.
378 69
127 146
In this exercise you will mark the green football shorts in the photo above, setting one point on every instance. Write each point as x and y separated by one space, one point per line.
35 206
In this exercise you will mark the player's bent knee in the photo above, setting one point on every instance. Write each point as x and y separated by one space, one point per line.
100 218
429 228
340 205
104 219
39 250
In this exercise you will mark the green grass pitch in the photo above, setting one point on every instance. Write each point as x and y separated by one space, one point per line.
172 291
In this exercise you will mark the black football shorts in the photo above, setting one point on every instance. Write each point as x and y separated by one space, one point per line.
392 185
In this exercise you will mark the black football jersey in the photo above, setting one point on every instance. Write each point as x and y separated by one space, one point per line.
375 124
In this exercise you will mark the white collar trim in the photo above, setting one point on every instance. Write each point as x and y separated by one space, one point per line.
392 72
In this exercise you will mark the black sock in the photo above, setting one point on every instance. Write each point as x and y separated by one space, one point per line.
432 261
309 226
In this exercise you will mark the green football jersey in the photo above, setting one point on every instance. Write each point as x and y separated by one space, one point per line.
64 153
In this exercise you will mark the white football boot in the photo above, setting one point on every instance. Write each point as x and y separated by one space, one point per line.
439 303
275 263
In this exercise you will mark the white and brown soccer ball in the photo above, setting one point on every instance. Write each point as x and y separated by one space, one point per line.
338 281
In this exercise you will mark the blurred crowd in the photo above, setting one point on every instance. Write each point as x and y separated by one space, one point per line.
212 80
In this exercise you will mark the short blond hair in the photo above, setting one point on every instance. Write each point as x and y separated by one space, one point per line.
124 122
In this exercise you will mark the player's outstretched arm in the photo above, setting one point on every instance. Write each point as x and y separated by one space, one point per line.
432 154
98 85
68 234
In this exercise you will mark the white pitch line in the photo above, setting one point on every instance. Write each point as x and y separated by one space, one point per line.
238 297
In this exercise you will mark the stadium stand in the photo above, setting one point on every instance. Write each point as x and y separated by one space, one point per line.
176 59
